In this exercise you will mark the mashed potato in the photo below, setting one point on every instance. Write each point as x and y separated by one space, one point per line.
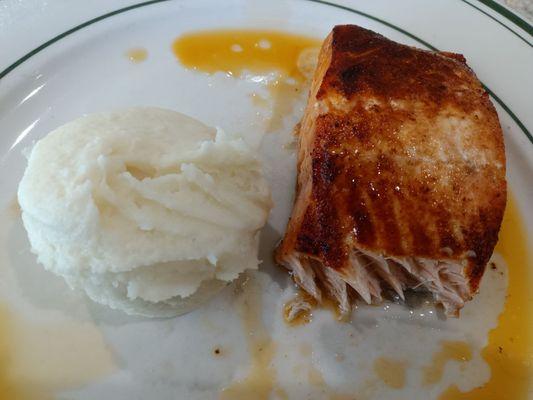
147 210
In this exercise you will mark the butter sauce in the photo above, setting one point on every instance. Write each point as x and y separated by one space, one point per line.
509 352
137 55
235 51
456 351
261 378
260 53
390 371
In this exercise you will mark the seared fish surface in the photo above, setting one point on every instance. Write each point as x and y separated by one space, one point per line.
401 175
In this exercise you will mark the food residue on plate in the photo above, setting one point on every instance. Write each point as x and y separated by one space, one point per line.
137 55
13 208
390 371
260 380
456 351
257 52
299 309
258 100
315 376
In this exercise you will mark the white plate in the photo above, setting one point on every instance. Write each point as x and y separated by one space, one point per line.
62 343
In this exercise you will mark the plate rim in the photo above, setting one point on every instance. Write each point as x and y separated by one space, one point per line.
507 14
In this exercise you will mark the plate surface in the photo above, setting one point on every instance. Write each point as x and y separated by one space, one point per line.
64 345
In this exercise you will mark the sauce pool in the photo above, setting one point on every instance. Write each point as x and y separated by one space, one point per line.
457 351
235 51
137 55
390 371
509 352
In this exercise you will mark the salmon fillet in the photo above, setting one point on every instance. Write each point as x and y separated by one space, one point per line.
401 175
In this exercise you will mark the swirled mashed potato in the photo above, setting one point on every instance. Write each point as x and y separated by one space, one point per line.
147 210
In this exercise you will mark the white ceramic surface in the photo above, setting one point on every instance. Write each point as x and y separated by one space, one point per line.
87 71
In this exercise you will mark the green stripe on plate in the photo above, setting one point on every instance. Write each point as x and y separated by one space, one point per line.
327 3
71 31
511 16
498 22
381 21
511 114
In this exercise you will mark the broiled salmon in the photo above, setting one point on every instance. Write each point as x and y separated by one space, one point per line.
401 175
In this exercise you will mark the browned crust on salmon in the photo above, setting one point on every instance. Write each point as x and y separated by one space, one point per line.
401 154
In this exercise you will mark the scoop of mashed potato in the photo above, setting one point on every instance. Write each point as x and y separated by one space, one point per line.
147 210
